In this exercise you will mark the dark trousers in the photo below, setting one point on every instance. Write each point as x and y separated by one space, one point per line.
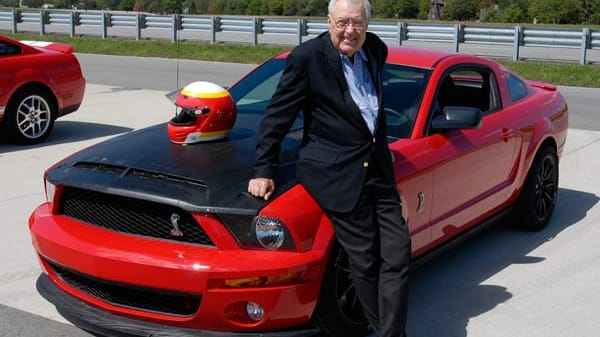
377 241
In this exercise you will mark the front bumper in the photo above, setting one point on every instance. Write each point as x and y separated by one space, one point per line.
101 322
157 267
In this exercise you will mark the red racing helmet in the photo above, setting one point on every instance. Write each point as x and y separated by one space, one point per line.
207 112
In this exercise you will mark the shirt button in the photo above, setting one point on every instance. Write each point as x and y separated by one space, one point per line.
373 140
366 164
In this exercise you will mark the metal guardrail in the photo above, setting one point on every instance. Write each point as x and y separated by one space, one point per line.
399 31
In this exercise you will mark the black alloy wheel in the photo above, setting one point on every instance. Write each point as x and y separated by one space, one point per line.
339 312
538 198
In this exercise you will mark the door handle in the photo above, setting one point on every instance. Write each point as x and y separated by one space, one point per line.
507 133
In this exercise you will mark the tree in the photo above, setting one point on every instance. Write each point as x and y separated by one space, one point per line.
591 11
314 8
556 11
290 7
408 9
275 7
217 7
254 7
514 13
139 6
459 10
171 6
424 6
126 5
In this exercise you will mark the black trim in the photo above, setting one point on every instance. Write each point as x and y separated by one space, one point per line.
68 109
476 229
106 324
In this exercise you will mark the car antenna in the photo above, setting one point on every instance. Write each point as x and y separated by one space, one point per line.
172 95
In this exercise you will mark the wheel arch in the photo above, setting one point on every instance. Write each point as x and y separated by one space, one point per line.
37 86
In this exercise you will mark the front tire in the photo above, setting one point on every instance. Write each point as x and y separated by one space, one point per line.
537 200
29 117
339 312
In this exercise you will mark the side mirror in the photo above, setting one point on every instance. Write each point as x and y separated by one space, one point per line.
457 117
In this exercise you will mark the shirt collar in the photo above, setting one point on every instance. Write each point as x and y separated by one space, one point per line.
360 52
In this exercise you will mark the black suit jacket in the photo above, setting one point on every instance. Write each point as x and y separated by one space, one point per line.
337 146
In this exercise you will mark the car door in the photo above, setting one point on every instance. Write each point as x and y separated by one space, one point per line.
403 89
474 167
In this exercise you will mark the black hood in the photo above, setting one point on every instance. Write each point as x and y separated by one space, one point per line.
205 177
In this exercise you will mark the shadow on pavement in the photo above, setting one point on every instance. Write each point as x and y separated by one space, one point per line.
68 132
448 291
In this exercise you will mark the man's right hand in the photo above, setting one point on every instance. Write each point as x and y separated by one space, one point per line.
261 187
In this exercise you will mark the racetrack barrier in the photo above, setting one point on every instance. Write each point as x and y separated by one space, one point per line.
299 28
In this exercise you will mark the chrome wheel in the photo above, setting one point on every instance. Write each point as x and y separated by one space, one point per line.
33 117
29 116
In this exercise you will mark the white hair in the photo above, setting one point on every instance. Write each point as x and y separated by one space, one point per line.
365 3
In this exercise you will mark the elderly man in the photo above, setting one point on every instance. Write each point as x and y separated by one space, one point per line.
345 164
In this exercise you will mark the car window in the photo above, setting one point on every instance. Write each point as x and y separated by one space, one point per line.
474 87
516 87
402 92
8 49
402 89
253 93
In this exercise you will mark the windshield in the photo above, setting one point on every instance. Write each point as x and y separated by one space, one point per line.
403 88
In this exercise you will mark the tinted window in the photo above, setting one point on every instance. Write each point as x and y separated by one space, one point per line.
253 93
403 88
516 87
8 49
402 92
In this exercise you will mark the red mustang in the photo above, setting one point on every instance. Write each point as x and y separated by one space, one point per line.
142 236
39 82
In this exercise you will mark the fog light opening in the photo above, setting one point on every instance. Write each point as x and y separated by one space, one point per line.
254 311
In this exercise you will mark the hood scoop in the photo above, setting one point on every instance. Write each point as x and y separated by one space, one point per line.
123 172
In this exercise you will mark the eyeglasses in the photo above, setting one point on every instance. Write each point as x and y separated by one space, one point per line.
342 23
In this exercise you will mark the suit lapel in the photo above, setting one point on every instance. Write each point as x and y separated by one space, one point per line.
375 73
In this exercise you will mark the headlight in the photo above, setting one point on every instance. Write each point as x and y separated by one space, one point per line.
270 232
258 232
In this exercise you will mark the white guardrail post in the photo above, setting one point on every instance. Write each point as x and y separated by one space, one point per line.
517 42
72 23
215 23
401 32
457 36
585 43
42 22
15 19
175 27
105 21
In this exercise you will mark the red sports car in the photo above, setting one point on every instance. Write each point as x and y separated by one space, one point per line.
141 236
39 82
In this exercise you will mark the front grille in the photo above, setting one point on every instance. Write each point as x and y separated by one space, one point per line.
132 216
146 299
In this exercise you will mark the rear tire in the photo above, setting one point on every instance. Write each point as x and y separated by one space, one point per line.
536 203
339 312
30 116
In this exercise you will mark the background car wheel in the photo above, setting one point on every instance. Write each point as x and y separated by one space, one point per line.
538 198
29 116
339 312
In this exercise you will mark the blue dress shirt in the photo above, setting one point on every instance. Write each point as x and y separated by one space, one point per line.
361 87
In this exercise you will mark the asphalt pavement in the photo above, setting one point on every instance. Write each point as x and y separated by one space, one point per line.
503 282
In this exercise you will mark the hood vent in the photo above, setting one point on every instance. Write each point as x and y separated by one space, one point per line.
124 171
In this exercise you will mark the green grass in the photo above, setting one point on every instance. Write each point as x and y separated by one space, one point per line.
557 73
